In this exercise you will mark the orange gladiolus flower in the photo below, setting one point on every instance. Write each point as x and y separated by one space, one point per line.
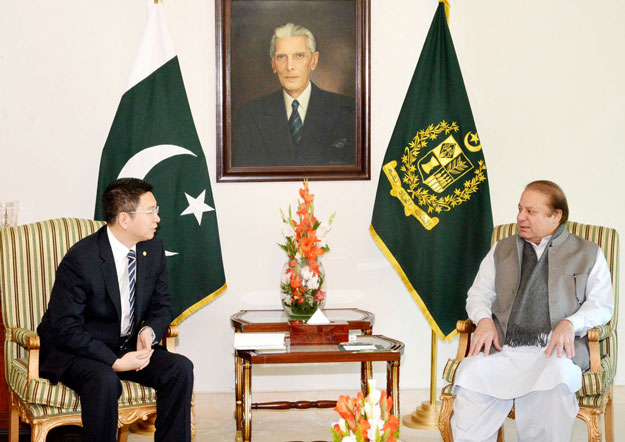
306 196
392 424
306 244
296 281
344 409
364 427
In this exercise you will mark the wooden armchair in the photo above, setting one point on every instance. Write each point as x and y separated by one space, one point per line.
29 256
595 396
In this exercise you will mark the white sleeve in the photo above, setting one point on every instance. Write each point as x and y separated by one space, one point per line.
598 307
482 293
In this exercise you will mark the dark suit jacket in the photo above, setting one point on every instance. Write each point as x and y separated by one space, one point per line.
262 138
84 314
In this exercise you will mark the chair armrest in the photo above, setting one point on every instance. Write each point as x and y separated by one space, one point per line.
599 333
464 328
26 338
169 340
29 340
595 335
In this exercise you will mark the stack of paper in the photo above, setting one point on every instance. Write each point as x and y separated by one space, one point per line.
259 341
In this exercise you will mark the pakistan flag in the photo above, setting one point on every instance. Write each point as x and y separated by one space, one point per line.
432 216
153 137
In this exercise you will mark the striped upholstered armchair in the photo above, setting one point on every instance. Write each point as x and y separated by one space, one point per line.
29 256
595 396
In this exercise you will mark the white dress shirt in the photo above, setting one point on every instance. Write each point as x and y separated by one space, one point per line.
303 101
120 255
517 371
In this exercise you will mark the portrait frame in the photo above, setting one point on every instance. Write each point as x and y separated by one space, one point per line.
245 74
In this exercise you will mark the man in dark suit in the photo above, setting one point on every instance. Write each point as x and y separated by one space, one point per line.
299 125
108 308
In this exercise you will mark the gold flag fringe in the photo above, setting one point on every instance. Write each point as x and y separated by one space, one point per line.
198 305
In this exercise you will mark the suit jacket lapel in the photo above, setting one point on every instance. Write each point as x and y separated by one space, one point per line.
109 272
276 128
140 283
315 128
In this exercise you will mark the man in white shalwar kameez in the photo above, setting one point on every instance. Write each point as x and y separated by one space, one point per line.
534 298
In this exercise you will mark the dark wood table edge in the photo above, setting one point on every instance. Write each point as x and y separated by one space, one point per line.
240 325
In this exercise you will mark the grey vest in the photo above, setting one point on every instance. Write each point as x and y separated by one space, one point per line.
571 259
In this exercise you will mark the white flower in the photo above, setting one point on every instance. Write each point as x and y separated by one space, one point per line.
322 231
307 274
342 425
371 432
285 278
313 283
350 438
287 231
368 408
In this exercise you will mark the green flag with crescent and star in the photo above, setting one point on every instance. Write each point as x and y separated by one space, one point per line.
153 137
432 217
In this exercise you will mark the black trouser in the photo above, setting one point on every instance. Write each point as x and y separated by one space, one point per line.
99 388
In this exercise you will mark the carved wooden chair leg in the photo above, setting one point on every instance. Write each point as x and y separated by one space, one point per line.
608 419
14 422
38 432
122 433
444 419
500 437
593 421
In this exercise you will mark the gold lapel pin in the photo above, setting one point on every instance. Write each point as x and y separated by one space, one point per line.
145 253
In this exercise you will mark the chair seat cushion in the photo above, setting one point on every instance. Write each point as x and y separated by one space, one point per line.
44 397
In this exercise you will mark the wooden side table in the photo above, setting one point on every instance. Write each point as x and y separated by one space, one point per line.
258 321
389 350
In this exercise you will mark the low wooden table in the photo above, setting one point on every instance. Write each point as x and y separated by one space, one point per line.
389 350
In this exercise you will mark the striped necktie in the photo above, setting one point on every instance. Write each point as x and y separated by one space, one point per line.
132 279
295 125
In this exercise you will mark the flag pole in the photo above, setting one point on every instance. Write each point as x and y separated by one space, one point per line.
425 417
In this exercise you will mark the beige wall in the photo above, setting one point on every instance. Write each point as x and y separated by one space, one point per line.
546 85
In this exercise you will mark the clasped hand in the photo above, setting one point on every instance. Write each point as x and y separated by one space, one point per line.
485 336
137 360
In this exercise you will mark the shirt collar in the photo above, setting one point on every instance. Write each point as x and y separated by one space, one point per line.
303 101
120 251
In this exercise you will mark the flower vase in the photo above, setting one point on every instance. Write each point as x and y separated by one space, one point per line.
302 288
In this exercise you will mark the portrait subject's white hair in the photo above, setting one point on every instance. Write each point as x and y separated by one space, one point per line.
292 30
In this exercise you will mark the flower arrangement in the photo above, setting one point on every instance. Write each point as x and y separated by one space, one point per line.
302 282
366 419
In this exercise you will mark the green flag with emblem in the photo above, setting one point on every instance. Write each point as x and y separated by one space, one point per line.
432 217
153 137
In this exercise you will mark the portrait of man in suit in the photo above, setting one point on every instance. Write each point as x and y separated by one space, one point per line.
299 124
108 309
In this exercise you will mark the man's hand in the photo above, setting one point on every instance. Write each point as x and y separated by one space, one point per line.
563 337
145 339
134 360
484 336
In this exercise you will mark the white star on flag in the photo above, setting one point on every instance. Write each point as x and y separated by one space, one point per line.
197 206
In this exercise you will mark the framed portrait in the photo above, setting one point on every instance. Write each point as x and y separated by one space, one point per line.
293 98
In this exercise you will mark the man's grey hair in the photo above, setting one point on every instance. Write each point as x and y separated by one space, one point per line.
292 30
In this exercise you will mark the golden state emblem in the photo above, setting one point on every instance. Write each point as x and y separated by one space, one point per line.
431 179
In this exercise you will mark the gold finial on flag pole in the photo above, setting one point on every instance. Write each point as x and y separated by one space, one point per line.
446 3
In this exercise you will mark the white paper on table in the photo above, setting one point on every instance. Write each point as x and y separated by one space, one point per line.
258 341
318 318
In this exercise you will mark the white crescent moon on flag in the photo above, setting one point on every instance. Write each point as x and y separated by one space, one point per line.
140 164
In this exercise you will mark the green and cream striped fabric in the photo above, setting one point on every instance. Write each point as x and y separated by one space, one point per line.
29 257
594 385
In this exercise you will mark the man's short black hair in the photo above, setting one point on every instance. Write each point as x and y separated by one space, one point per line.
555 195
123 195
